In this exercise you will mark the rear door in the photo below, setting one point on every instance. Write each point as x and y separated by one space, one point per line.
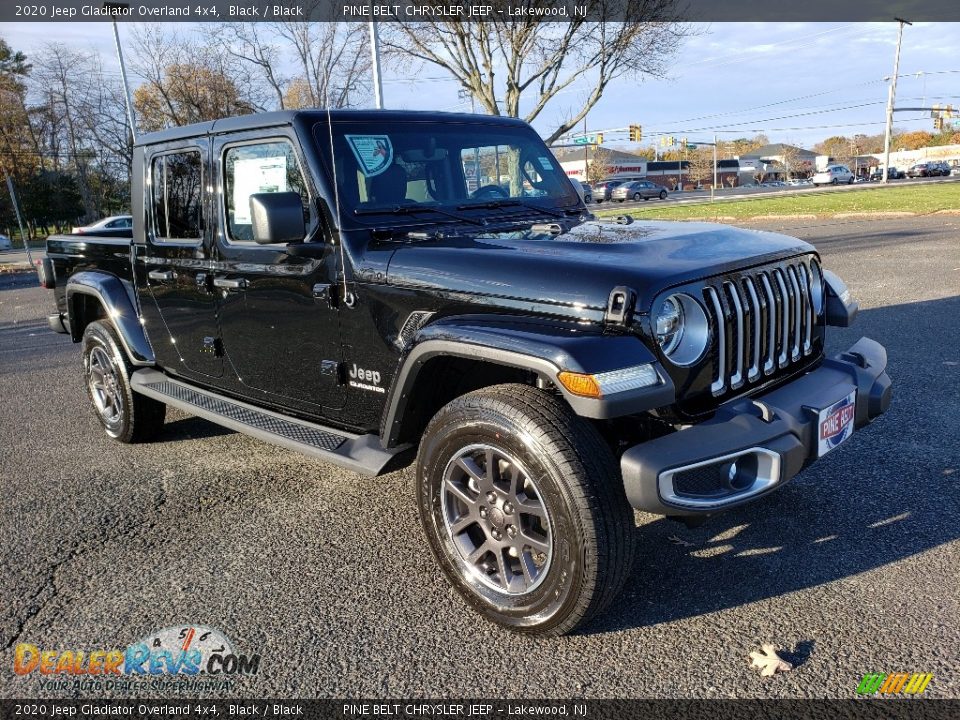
277 316
179 309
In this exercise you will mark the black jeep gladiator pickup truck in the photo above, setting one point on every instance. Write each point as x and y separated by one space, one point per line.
372 286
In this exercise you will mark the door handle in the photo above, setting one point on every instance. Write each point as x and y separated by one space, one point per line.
228 284
162 275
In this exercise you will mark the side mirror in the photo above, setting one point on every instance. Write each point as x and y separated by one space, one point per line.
277 218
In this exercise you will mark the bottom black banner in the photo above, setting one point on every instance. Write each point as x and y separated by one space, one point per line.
913 709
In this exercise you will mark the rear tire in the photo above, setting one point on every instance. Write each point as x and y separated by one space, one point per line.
125 415
663 194
523 506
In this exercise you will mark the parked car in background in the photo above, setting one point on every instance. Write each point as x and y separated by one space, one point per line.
922 170
833 175
5 243
955 171
586 192
114 222
941 168
638 190
894 174
602 190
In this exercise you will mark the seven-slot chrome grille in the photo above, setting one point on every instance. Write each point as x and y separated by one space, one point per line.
762 321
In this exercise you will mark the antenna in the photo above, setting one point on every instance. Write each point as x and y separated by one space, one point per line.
348 298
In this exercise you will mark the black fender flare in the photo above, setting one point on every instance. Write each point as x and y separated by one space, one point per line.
542 348
120 310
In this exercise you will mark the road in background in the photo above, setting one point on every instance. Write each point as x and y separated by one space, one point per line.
851 568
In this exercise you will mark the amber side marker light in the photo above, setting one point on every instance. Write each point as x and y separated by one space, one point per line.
609 383
580 384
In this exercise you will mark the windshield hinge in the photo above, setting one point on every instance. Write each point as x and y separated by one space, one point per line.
620 306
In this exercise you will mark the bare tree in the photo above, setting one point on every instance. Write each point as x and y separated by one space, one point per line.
330 62
502 61
65 77
186 81
599 166
701 165
791 160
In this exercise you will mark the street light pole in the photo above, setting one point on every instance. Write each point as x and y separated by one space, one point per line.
131 114
375 58
891 98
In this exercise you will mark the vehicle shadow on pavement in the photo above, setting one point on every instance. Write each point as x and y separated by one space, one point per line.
191 428
891 493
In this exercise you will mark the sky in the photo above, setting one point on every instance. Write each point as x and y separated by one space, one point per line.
795 82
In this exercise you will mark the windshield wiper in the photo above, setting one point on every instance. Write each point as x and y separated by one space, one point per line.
413 209
513 202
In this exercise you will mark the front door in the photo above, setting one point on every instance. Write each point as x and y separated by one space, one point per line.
278 322
179 309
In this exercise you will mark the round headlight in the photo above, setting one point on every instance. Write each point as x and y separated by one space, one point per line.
682 329
817 289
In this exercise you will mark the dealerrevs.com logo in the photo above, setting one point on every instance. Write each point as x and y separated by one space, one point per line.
184 652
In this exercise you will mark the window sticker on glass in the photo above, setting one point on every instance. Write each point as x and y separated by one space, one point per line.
374 153
545 163
256 175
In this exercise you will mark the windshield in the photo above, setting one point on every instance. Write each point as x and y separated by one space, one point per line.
419 165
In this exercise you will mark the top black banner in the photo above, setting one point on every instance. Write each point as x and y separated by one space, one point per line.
475 10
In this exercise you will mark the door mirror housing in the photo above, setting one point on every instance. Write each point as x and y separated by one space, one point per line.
277 218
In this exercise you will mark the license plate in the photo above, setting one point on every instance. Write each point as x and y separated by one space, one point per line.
835 423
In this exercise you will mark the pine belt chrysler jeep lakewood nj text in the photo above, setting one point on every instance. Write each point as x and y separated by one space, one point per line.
372 286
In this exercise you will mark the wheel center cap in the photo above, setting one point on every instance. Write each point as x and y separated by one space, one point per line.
496 517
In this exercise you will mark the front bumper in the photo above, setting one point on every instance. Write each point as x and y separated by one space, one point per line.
753 445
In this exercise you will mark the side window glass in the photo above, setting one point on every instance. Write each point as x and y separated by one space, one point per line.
260 168
177 192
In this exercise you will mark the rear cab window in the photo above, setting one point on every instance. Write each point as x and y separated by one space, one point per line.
176 196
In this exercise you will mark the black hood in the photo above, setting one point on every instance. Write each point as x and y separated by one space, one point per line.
580 267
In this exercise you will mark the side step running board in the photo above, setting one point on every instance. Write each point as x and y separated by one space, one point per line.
361 453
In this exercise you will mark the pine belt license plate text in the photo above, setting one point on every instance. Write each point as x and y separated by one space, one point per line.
836 423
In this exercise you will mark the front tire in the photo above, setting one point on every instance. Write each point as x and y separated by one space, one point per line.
523 507
125 415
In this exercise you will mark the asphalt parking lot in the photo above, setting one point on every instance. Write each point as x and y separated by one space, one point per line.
851 568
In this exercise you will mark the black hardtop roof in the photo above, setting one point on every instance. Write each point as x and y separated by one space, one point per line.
287 117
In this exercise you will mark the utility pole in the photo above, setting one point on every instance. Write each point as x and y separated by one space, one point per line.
891 98
16 209
586 157
713 188
375 57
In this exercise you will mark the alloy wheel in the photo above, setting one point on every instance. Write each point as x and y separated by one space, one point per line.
496 519
105 387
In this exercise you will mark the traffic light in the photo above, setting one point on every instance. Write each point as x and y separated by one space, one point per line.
948 113
599 138
636 133
683 143
938 123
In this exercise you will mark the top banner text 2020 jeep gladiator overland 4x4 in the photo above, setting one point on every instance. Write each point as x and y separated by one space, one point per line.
357 284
